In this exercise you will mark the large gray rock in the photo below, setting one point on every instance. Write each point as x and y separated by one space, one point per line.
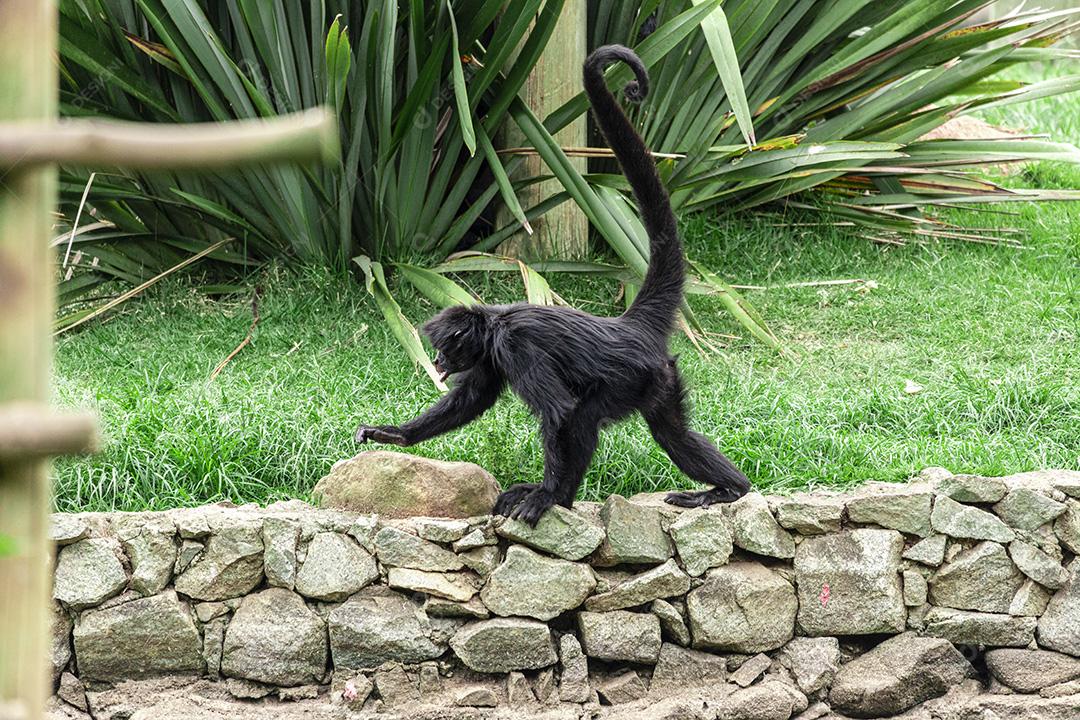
634 534
364 529
1016 707
213 646
849 583
1030 600
756 530
1066 481
1044 539
1029 671
972 488
969 523
964 627
622 687
661 581
440 530
915 589
679 668
742 607
398 485
810 514
138 639
1026 509
813 662
88 573
59 640
372 628
73 692
395 686
982 578
440 608
573 671
1067 526
475 538
335 568
1038 565
150 545
397 548
280 539
535 586
560 532
751 669
457 586
1059 626
482 560
898 507
930 552
231 565
65 529
703 539
501 645
476 696
898 674
274 638
620 635
770 700
672 621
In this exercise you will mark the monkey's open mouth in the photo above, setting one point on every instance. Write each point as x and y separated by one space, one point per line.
443 372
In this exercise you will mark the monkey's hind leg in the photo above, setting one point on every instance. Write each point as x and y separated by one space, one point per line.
691 452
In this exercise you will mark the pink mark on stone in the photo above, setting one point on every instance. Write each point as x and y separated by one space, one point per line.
350 692
825 595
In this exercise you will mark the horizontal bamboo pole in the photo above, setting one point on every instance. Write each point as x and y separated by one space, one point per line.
34 430
309 135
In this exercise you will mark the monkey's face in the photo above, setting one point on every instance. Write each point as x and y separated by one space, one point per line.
459 339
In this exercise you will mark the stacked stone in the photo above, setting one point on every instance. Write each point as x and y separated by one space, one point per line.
867 603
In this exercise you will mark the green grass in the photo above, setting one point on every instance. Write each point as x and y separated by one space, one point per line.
992 334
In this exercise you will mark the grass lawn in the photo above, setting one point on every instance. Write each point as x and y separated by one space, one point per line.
992 335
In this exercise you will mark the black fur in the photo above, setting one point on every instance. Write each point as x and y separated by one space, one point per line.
574 370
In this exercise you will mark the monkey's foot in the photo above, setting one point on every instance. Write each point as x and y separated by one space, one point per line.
703 498
381 434
533 507
511 498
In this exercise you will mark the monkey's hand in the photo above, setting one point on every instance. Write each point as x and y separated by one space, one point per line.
533 507
381 434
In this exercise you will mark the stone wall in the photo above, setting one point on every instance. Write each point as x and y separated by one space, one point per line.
957 596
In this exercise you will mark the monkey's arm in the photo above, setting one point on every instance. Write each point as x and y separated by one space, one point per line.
475 392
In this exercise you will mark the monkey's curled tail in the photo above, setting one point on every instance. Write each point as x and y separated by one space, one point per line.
662 290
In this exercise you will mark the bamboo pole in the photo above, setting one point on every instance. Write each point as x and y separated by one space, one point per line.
197 146
27 93
563 232
31 141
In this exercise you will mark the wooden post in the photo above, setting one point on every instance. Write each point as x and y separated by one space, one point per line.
31 142
562 233
28 92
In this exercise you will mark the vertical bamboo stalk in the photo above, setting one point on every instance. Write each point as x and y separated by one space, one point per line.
562 233
27 92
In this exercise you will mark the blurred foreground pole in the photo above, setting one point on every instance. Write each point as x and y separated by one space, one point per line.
27 196
31 142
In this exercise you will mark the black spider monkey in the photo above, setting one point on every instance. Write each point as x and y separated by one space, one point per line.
574 370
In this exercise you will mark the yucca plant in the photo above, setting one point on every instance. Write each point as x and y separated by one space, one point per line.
841 93
812 103
420 89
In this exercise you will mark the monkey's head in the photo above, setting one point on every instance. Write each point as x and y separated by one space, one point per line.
460 338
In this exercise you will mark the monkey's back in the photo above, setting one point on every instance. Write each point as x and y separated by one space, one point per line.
583 348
